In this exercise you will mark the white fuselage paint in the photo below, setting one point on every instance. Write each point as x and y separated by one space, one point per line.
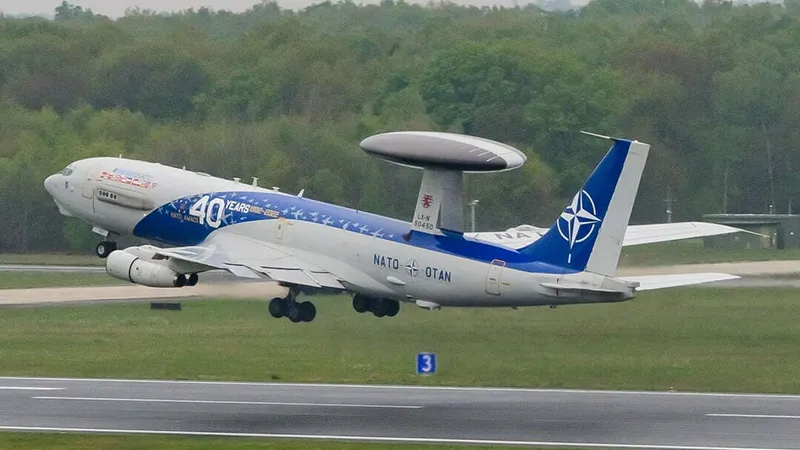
441 278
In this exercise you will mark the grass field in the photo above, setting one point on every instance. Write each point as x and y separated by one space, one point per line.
689 339
26 441
25 280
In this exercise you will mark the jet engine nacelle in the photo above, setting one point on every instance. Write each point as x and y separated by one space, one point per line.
127 266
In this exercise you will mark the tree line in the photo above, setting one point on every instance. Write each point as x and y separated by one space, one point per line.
286 96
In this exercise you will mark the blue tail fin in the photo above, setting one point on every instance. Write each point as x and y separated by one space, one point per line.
588 235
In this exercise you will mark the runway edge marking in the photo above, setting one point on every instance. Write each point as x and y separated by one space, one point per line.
411 387
377 438
754 416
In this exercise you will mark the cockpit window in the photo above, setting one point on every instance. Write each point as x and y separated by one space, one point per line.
67 171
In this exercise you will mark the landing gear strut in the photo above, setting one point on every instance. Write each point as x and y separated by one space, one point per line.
289 307
379 307
105 248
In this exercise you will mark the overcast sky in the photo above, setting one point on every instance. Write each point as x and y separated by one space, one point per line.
116 8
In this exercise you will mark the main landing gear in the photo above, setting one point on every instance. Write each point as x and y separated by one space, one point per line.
379 307
105 248
290 308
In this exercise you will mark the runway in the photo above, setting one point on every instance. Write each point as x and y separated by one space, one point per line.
246 289
599 419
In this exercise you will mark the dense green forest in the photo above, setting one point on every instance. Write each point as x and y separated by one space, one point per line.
287 95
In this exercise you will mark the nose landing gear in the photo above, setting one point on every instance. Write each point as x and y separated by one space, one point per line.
105 248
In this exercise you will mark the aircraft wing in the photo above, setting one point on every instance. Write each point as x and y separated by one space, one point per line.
249 258
524 235
652 282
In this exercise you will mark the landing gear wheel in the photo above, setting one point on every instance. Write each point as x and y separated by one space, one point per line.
294 314
105 248
307 311
276 308
378 307
392 308
360 303
382 307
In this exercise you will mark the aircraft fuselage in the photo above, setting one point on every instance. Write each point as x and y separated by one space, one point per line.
376 255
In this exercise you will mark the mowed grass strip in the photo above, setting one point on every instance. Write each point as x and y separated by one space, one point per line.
701 339
24 441
27 280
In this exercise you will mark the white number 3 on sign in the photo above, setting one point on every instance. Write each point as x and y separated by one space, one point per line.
209 212
426 363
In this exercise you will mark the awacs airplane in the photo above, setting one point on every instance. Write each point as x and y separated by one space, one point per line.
210 223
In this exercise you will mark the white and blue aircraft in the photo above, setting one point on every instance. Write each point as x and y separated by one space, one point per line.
205 223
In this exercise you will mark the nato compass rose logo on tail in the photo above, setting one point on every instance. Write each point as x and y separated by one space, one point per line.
578 220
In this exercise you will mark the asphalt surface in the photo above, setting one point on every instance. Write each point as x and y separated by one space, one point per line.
404 414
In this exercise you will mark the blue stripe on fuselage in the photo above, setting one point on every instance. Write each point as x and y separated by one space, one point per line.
175 224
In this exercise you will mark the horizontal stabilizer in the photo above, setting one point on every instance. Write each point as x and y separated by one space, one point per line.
652 282
664 232
524 235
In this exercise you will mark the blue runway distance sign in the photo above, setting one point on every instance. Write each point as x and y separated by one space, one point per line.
426 363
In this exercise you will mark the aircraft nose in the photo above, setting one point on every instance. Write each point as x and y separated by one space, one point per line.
50 183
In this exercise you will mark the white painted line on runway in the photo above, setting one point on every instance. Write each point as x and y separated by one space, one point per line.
755 416
420 388
418 440
26 388
228 402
